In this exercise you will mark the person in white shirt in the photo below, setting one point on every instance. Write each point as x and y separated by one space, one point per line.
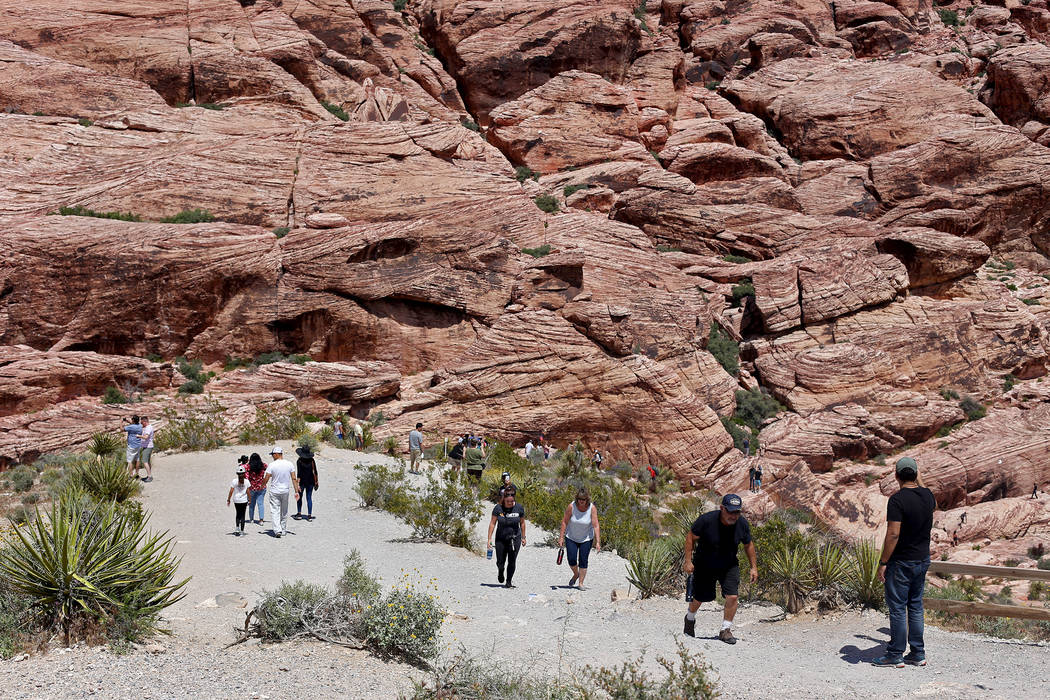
146 453
529 447
239 494
280 480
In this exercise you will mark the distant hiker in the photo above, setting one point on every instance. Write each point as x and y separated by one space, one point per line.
579 530
529 447
306 470
133 433
1035 490
337 427
508 520
652 471
359 436
239 494
146 451
758 477
280 480
455 455
257 490
415 448
505 484
716 537
905 560
962 517
751 479
596 459
747 446
474 459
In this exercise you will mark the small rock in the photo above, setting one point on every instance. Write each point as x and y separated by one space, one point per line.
322 220
619 594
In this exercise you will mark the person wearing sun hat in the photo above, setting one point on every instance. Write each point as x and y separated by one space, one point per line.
239 495
905 560
716 537
280 480
306 470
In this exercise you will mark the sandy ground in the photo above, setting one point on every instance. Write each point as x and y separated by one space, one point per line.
541 625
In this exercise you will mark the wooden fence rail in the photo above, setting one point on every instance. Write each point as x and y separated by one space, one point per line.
966 607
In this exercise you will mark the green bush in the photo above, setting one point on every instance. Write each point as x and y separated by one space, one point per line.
281 231
447 510
547 203
950 18
189 216
742 291
1031 302
753 407
356 582
688 680
1043 563
736 259
738 434
81 211
104 445
90 563
399 5
105 480
114 395
293 610
725 349
309 439
539 251
17 618
406 622
193 386
570 190
972 408
336 111
22 479
466 678
523 173
273 424
390 445
379 486
377 419
201 427
949 394
19 516
468 123
650 567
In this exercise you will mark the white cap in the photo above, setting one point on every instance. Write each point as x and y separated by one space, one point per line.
277 450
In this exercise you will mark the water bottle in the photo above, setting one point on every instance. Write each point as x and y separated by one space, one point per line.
688 588
561 553
488 555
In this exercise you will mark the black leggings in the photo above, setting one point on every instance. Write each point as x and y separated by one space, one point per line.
240 508
507 551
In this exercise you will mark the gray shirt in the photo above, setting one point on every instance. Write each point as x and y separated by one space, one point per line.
415 440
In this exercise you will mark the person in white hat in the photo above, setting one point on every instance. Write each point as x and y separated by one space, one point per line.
280 480
239 494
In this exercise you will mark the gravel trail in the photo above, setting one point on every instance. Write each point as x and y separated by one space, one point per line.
541 625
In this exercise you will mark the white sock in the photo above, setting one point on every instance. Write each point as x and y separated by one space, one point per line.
690 616
726 624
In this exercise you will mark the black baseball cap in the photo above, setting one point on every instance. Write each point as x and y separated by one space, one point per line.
732 503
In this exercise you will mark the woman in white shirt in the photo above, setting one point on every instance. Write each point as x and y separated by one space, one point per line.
579 529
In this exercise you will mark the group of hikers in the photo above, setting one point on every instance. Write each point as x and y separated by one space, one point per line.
277 481
138 434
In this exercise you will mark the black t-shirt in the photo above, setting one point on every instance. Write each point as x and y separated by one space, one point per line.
913 509
305 471
508 521
456 452
716 544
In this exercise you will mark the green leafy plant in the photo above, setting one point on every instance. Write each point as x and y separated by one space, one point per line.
114 395
736 259
399 5
1031 302
686 680
379 486
950 18
82 211
356 582
862 581
200 427
105 480
189 216
281 231
293 610
949 394
753 407
469 124
22 479
539 251
104 445
973 409
523 173
406 622
84 121
447 510
742 290
724 349
272 424
570 190
792 575
336 111
649 568
547 203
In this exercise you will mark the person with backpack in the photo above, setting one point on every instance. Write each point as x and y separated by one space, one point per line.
508 521
903 565
474 459
596 459
579 530
455 455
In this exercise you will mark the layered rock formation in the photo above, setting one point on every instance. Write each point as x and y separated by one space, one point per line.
521 217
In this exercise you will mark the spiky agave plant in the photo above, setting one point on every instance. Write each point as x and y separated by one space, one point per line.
105 480
792 574
863 580
104 445
86 560
649 567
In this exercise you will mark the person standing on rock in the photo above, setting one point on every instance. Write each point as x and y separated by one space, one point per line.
508 520
905 560
579 530
306 470
751 479
758 477
146 451
239 493
257 487
474 459
280 480
415 448
711 556
133 435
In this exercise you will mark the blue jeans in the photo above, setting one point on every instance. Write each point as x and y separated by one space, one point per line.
583 549
256 497
308 491
905 581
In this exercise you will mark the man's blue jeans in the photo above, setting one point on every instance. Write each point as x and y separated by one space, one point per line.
905 581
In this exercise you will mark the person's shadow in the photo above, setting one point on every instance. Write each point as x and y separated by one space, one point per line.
853 654
493 585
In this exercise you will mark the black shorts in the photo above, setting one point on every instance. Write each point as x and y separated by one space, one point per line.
704 579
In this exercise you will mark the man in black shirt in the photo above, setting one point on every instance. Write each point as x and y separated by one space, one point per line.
905 559
716 536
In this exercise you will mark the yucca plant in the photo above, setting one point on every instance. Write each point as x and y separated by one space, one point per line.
91 562
831 565
105 480
103 445
649 568
390 445
792 575
367 438
863 581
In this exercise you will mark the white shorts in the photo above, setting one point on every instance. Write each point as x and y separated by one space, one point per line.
133 454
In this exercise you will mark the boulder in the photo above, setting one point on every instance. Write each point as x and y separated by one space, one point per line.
1018 85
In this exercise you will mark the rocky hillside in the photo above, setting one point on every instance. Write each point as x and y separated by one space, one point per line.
515 217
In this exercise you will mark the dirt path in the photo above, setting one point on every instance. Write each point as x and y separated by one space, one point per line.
540 625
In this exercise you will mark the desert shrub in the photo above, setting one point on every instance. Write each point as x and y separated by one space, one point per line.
390 445
523 173
367 437
570 190
281 231
1036 590
776 533
467 123
336 111
972 408
189 216
192 386
292 610
19 516
447 510
688 680
754 406
405 622
379 486
201 427
743 290
725 349
399 5
114 395
22 479
50 476
547 203
308 438
466 678
356 582
272 424
90 562
17 617
196 378
1043 563
950 18
327 434
949 394
105 480
104 445
650 567
1037 550
539 251
81 211
737 433
736 259
1031 302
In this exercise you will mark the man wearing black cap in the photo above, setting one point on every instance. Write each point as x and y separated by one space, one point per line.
902 568
716 537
